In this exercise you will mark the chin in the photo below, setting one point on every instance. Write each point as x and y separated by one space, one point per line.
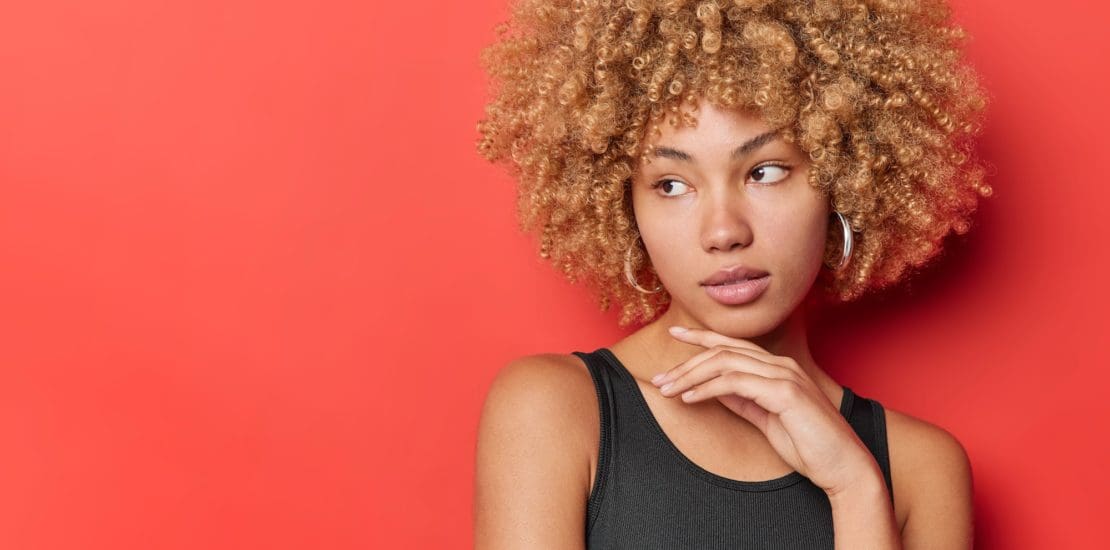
746 321
742 327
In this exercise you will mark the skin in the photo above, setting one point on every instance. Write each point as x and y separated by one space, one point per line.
758 392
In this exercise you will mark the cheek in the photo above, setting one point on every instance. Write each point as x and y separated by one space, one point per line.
803 235
815 245
670 244
653 234
656 224
664 244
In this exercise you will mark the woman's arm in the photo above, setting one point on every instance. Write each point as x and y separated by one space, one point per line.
932 474
533 467
863 516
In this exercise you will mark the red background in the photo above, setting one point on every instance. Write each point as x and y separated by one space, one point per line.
256 279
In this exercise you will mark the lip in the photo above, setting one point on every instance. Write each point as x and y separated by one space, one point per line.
732 274
742 292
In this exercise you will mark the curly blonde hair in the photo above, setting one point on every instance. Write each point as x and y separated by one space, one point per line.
874 91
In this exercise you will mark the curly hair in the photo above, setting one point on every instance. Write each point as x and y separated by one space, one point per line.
875 92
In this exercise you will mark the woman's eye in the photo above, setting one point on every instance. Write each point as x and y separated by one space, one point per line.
668 185
770 173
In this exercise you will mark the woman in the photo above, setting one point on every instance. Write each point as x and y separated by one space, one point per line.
720 169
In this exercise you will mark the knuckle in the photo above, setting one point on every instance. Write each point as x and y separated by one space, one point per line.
733 352
790 388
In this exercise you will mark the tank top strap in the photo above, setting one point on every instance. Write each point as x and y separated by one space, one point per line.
602 376
868 418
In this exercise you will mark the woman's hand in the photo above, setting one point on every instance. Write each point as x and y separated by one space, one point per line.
776 395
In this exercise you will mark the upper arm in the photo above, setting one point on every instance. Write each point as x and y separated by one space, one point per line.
532 468
931 470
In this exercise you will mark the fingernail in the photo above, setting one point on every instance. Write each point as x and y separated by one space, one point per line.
666 386
655 379
677 330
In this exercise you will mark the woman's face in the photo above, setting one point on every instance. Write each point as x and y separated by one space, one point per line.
725 193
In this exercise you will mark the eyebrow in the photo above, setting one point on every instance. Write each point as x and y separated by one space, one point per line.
742 151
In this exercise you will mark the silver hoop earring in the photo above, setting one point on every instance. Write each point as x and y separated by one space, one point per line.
632 278
846 251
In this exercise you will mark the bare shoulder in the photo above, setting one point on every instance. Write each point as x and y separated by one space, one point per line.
543 393
532 472
546 379
931 474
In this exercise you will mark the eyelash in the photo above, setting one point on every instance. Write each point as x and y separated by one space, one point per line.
784 166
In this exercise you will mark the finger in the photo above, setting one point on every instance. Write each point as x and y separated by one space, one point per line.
727 360
774 395
682 368
709 338
747 409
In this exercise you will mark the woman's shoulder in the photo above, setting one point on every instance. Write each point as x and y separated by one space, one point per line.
552 393
556 379
533 450
929 469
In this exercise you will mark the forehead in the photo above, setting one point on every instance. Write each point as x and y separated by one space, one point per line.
717 128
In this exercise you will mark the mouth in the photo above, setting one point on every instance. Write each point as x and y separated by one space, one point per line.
733 275
740 291
736 281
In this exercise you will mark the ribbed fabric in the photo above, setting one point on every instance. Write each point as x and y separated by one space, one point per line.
647 494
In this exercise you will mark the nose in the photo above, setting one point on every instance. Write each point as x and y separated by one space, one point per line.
725 224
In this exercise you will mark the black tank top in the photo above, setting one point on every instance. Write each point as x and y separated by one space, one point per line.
647 494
